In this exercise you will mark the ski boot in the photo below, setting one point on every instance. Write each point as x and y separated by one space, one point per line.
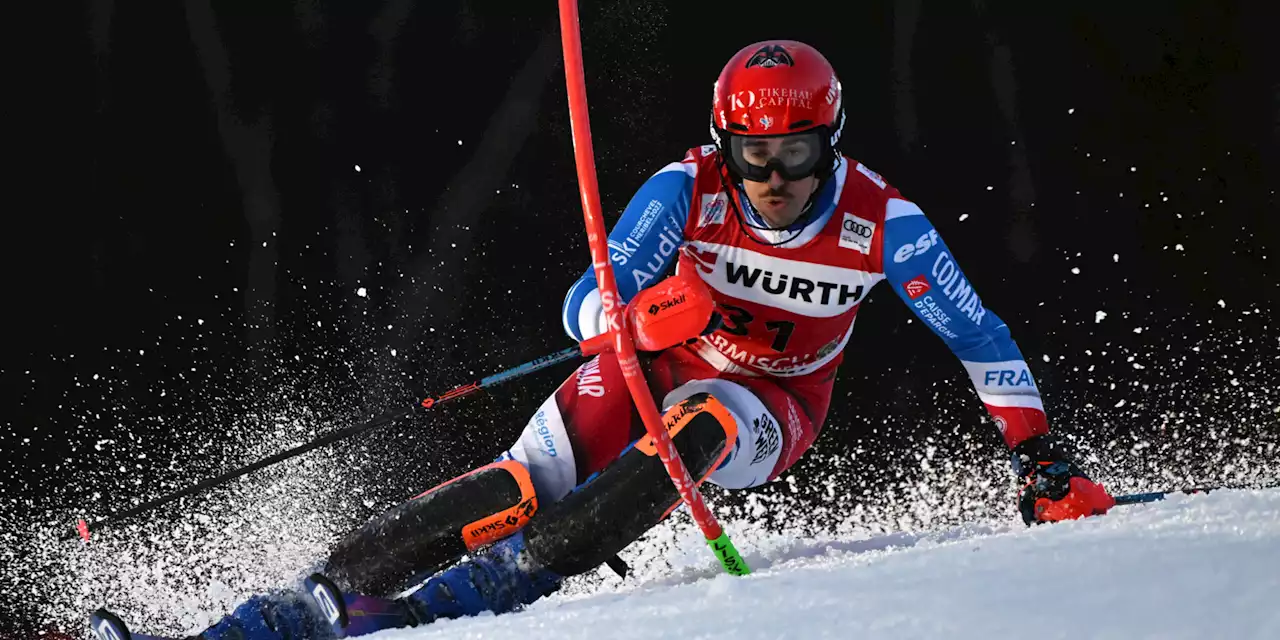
281 617
353 614
498 580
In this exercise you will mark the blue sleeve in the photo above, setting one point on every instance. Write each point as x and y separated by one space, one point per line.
642 245
924 273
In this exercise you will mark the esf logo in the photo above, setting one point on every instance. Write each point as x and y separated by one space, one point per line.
1007 378
921 246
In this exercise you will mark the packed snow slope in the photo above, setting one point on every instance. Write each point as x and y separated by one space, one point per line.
1202 566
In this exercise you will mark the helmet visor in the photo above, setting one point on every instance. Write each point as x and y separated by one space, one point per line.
793 156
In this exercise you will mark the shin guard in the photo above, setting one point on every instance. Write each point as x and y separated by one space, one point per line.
634 493
434 529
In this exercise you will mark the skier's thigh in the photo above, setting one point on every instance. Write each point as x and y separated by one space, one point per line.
759 440
545 450
579 430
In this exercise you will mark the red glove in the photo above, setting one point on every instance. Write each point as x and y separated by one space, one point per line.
674 311
1056 488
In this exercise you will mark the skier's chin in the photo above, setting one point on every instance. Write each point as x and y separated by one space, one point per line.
779 212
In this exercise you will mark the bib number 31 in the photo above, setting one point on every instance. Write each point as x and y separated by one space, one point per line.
737 319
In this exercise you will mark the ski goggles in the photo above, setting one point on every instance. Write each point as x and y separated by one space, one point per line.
794 156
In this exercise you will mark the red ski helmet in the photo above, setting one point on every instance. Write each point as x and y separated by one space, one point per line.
773 89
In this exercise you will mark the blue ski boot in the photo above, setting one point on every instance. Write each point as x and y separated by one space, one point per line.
278 617
282 617
498 580
353 614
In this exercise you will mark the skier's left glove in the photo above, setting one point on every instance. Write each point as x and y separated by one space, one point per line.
1056 488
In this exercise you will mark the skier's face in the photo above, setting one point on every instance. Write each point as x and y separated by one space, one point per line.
766 163
780 201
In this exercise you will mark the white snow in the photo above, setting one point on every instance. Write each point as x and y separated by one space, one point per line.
1199 566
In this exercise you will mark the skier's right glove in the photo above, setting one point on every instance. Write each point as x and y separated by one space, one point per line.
675 311
1056 488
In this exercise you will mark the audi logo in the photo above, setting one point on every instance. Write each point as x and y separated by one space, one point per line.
860 229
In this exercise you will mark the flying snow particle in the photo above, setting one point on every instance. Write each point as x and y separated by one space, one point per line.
1115 257
361 292
963 217
1071 111
1075 270
1137 329
459 143
1178 247
357 168
1046 357
1120 404
989 187
1132 169
1099 316
1222 303
200 321
393 353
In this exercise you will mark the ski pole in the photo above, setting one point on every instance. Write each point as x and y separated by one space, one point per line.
1139 498
623 344
584 348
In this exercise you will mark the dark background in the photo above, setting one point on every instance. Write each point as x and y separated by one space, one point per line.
186 240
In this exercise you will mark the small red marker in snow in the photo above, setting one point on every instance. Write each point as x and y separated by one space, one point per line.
83 528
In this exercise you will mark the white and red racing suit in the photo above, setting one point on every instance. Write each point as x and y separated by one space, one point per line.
789 299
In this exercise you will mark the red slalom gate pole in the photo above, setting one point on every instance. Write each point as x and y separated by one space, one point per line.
623 345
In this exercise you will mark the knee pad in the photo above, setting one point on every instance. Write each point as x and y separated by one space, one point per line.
755 451
634 493
434 529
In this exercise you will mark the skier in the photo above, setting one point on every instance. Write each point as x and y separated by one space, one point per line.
775 239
